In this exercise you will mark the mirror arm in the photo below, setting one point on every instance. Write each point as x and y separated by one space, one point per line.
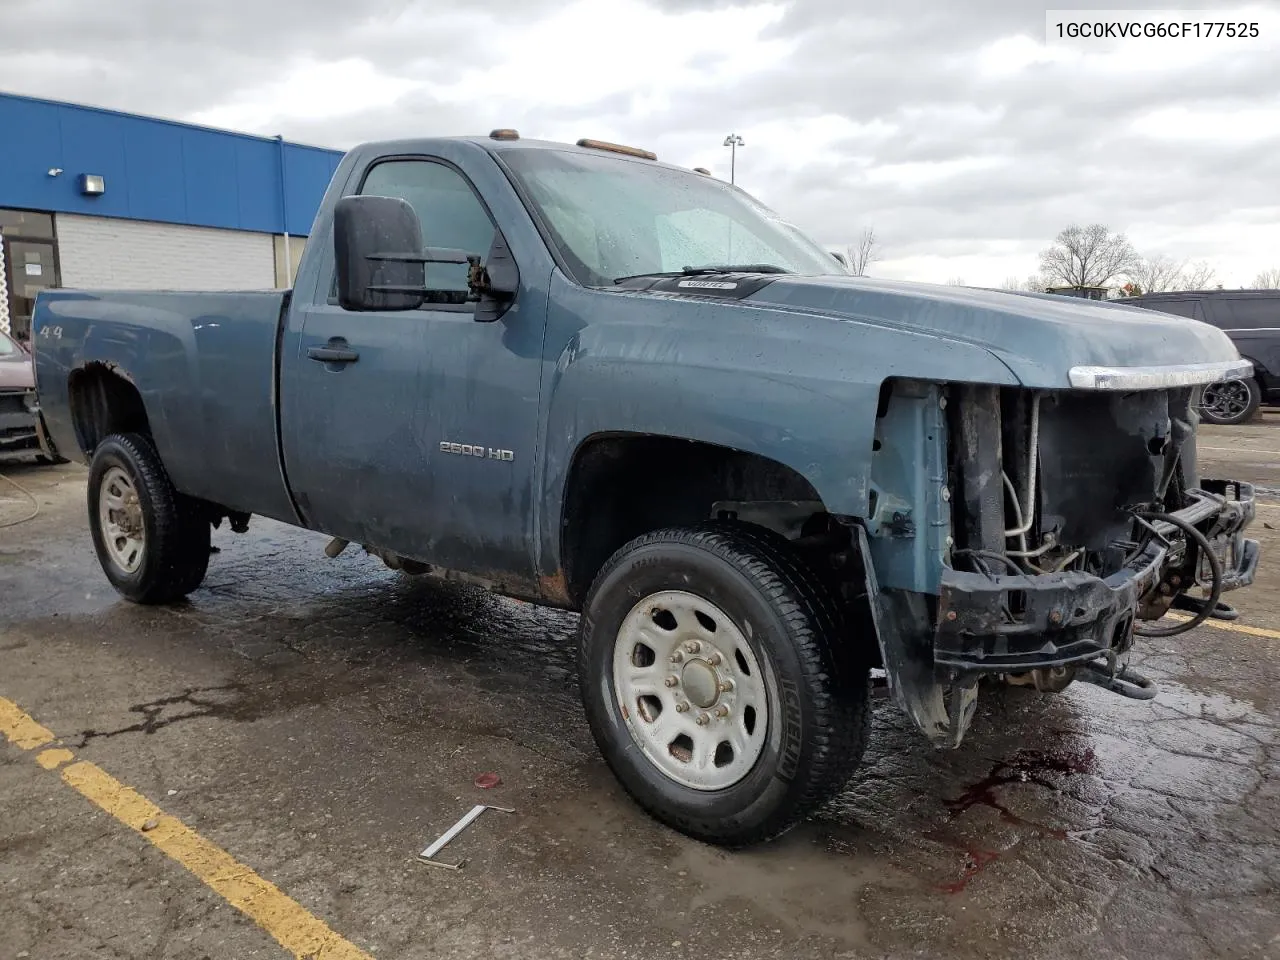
429 255
478 280
398 288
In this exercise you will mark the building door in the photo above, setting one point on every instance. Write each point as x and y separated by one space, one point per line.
30 265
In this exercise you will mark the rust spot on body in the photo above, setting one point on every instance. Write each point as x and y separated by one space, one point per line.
555 589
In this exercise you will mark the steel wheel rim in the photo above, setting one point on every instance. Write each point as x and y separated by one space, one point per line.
120 520
1227 399
690 690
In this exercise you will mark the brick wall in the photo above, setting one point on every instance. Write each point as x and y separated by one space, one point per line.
104 253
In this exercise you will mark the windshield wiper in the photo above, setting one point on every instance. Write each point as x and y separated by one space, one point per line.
710 268
736 268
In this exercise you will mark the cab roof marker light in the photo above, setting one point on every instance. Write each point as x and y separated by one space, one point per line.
504 133
618 148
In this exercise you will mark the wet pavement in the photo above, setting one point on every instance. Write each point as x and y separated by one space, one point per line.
323 721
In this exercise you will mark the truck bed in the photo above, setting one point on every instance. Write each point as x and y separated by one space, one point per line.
205 366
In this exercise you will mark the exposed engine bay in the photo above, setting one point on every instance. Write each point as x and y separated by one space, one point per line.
1062 522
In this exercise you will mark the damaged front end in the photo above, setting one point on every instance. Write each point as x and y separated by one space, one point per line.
1025 536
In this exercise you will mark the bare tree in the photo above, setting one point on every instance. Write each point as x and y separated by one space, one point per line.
862 254
1160 273
1198 276
1267 279
1089 256
1032 284
1154 274
956 282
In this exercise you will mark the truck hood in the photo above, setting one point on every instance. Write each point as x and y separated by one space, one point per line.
1039 337
16 372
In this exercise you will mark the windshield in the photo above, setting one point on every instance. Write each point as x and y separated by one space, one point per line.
612 217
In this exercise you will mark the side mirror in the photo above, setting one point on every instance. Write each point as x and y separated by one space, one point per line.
377 246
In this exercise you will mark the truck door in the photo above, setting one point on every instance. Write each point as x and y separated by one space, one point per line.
1253 323
421 443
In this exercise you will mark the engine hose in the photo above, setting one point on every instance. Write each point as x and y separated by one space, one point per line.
1215 569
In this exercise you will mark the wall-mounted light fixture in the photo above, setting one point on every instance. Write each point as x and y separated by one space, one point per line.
54 171
92 185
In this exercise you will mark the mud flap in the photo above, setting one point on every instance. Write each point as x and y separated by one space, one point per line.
46 442
941 708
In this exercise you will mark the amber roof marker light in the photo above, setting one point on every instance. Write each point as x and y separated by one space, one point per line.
618 148
504 133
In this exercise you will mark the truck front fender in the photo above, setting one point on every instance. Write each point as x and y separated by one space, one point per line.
799 390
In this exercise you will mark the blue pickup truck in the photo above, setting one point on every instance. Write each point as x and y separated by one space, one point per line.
591 380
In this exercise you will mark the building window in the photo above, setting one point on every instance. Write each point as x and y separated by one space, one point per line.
28 264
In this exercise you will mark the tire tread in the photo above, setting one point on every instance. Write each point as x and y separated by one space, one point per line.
836 676
178 533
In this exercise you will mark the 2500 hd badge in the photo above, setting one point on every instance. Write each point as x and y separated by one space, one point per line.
476 450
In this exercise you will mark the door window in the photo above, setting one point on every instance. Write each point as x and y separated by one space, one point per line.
1180 308
451 214
1250 313
30 267
26 223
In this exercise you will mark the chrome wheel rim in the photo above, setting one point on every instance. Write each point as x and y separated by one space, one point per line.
690 690
1226 399
120 520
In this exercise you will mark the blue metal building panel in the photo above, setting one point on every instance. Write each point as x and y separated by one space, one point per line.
258 166
157 169
93 144
304 167
210 183
31 134
154 175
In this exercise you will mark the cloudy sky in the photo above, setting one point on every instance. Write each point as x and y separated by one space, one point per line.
952 128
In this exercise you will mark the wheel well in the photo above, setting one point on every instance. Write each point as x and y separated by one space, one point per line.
621 486
102 403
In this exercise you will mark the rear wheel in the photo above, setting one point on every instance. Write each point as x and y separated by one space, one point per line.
719 683
1229 402
152 542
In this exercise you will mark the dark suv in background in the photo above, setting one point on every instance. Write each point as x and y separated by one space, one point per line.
1251 318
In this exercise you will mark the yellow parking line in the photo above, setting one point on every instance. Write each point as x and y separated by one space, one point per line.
294 928
1233 627
20 729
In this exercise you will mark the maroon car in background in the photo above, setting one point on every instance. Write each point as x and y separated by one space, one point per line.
18 407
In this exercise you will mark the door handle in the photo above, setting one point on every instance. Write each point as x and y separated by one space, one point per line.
336 352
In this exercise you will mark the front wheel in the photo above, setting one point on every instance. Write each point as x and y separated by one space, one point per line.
152 542
1230 402
719 683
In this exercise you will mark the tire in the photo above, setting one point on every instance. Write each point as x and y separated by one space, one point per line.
799 721
172 540
1230 402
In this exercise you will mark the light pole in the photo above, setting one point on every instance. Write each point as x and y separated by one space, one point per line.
733 142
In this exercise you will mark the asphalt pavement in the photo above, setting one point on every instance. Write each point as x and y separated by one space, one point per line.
253 773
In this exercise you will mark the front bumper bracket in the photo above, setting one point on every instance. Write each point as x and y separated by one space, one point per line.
1011 623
